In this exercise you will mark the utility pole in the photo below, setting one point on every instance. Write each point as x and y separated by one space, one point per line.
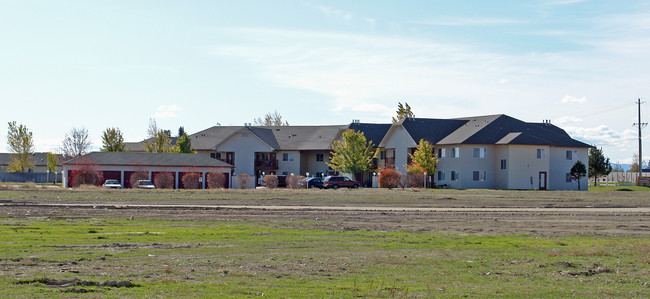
640 125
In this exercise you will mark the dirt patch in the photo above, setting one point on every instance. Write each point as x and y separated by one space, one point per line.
77 282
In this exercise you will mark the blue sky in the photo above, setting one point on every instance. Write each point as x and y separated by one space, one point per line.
101 64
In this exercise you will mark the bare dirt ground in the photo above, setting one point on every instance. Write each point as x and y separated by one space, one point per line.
452 211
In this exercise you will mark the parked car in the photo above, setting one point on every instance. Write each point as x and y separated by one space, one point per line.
312 182
112 184
336 182
145 184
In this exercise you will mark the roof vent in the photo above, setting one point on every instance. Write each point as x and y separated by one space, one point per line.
356 121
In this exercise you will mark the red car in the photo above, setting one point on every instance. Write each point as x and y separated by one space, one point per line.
335 182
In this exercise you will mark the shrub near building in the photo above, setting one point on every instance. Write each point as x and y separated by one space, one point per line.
137 176
270 181
294 182
389 178
191 180
164 180
216 180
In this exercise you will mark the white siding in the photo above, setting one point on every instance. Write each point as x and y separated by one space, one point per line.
401 141
289 166
524 166
244 145
560 166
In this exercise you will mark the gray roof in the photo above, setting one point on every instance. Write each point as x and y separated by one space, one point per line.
277 137
137 146
39 159
488 129
148 159
373 132
431 130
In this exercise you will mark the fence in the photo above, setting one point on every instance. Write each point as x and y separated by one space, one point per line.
618 179
36 177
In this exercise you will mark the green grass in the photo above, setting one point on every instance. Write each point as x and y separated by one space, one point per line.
283 259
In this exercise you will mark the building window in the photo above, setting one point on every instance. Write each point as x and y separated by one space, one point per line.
382 155
214 156
441 176
287 156
455 175
479 176
442 152
319 157
569 179
455 152
541 153
504 164
479 152
569 155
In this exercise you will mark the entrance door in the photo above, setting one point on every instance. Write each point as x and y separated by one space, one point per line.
542 180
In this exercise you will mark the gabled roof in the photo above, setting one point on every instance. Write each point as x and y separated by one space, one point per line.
148 159
431 130
373 132
277 137
38 159
208 138
488 129
306 137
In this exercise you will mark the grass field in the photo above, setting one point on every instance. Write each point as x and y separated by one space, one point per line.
207 258
100 254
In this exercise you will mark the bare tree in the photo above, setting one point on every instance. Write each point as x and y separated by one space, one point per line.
271 119
152 130
76 143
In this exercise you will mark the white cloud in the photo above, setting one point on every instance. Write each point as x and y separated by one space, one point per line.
565 2
569 99
336 13
602 135
367 107
468 22
358 73
165 111
567 120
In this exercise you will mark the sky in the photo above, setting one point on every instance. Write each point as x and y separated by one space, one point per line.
98 64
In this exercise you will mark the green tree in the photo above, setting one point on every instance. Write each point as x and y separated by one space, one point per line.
112 140
160 143
184 144
271 119
181 131
21 142
598 164
52 162
353 154
403 112
578 171
423 159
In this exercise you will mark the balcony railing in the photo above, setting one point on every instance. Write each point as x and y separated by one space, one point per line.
266 164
